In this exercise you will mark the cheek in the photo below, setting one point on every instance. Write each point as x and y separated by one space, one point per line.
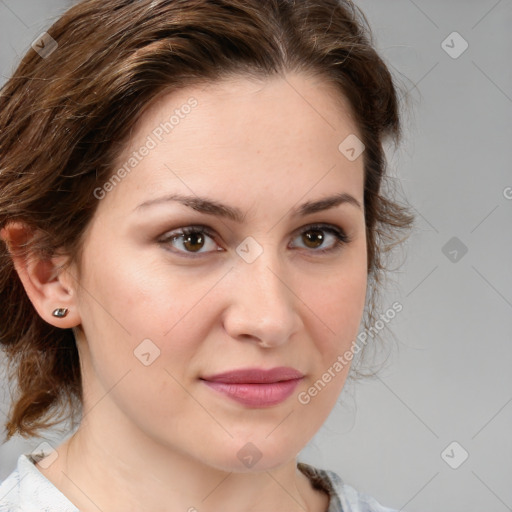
340 306
339 302
142 332
135 297
341 310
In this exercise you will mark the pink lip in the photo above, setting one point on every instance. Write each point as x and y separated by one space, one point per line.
256 387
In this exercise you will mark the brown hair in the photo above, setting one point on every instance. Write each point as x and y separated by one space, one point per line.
64 117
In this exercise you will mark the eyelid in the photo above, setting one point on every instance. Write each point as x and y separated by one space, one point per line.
183 231
342 238
332 228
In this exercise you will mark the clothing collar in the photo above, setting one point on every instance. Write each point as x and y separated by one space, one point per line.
36 491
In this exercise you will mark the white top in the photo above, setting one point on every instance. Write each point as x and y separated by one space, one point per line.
26 489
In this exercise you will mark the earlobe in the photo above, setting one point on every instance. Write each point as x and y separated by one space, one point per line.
44 279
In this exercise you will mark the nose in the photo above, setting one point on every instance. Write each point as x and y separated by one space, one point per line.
263 305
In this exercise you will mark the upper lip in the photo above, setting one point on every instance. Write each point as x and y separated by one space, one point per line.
256 375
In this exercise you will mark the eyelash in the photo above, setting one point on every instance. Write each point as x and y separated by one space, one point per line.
341 237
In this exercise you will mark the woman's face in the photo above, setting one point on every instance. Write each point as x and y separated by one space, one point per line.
257 285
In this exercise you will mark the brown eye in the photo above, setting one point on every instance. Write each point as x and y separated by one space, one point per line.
194 241
191 240
314 238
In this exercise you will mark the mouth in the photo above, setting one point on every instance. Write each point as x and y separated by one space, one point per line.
255 387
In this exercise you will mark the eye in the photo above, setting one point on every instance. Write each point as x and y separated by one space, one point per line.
314 238
192 239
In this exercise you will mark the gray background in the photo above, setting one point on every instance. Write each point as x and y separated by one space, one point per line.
450 377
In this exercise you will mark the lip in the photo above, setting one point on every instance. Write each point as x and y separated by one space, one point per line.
256 375
256 387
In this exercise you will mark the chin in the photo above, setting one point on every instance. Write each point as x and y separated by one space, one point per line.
254 453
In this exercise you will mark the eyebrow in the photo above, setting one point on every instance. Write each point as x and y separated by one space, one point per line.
211 207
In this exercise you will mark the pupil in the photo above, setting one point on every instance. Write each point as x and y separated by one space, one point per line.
318 235
194 237
194 241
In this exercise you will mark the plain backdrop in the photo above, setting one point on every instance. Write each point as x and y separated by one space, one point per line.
432 431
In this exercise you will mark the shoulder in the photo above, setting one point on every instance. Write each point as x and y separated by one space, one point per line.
343 497
10 490
27 489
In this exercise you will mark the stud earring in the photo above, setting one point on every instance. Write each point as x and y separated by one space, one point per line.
60 312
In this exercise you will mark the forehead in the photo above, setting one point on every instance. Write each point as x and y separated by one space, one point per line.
244 132
222 107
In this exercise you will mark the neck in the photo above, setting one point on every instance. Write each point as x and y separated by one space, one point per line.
101 468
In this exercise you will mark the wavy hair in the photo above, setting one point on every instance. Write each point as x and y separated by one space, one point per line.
65 116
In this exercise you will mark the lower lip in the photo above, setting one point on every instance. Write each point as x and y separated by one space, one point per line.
256 395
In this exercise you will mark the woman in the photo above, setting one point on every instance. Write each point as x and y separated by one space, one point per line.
193 226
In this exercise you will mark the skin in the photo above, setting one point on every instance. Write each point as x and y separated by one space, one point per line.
156 437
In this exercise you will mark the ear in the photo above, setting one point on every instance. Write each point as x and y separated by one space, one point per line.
47 285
